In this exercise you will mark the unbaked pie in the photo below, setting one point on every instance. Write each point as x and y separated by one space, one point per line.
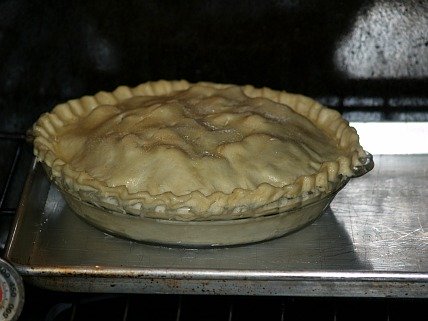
189 152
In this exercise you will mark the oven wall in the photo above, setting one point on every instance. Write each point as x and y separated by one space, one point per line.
51 51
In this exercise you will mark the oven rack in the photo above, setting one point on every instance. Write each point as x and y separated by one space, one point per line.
15 158
130 307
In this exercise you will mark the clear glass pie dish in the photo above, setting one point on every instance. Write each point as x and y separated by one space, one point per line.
210 233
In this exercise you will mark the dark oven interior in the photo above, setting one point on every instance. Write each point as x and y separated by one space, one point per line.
367 59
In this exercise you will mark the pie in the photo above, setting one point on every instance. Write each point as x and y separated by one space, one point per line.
196 151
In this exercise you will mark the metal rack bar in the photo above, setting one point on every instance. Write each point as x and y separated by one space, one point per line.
11 172
12 136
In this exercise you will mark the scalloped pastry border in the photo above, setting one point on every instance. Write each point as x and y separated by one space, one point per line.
196 206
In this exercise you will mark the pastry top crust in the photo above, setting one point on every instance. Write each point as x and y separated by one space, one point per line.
176 150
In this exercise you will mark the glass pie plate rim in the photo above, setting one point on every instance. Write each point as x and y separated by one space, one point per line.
210 233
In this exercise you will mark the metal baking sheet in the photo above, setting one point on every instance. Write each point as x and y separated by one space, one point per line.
372 241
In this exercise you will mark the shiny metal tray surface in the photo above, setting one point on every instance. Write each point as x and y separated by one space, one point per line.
372 241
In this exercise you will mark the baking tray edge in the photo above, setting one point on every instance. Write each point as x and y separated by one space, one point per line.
223 282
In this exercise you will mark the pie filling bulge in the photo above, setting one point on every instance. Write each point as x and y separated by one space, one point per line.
175 150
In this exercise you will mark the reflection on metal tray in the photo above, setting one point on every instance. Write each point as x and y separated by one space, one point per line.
372 241
272 221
